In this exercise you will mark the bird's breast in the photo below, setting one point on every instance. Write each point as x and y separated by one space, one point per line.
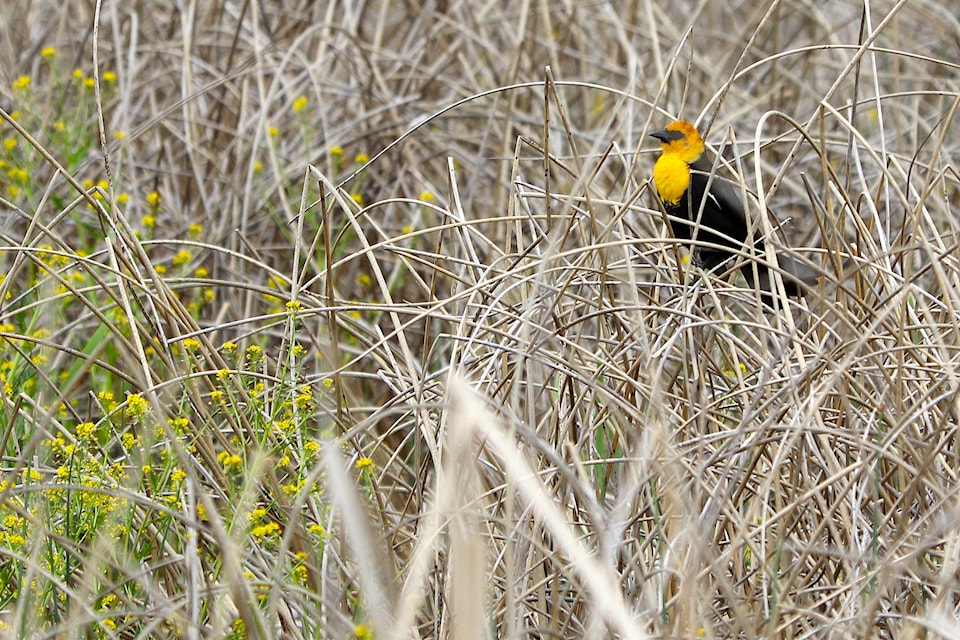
671 176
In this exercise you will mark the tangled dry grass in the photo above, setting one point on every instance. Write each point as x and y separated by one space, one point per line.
536 418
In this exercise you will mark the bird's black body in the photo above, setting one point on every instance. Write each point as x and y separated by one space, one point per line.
722 221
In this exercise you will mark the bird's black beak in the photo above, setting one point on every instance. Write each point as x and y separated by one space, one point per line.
665 135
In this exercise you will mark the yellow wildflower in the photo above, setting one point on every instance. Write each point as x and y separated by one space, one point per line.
137 407
183 257
86 430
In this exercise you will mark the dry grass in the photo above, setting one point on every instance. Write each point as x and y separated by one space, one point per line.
476 391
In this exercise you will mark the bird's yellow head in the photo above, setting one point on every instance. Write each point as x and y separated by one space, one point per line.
681 139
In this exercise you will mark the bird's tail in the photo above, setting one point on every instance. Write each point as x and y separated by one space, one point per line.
798 277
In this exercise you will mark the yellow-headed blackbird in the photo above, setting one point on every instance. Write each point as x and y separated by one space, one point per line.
681 176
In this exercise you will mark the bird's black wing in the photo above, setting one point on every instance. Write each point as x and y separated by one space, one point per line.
723 211
723 222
